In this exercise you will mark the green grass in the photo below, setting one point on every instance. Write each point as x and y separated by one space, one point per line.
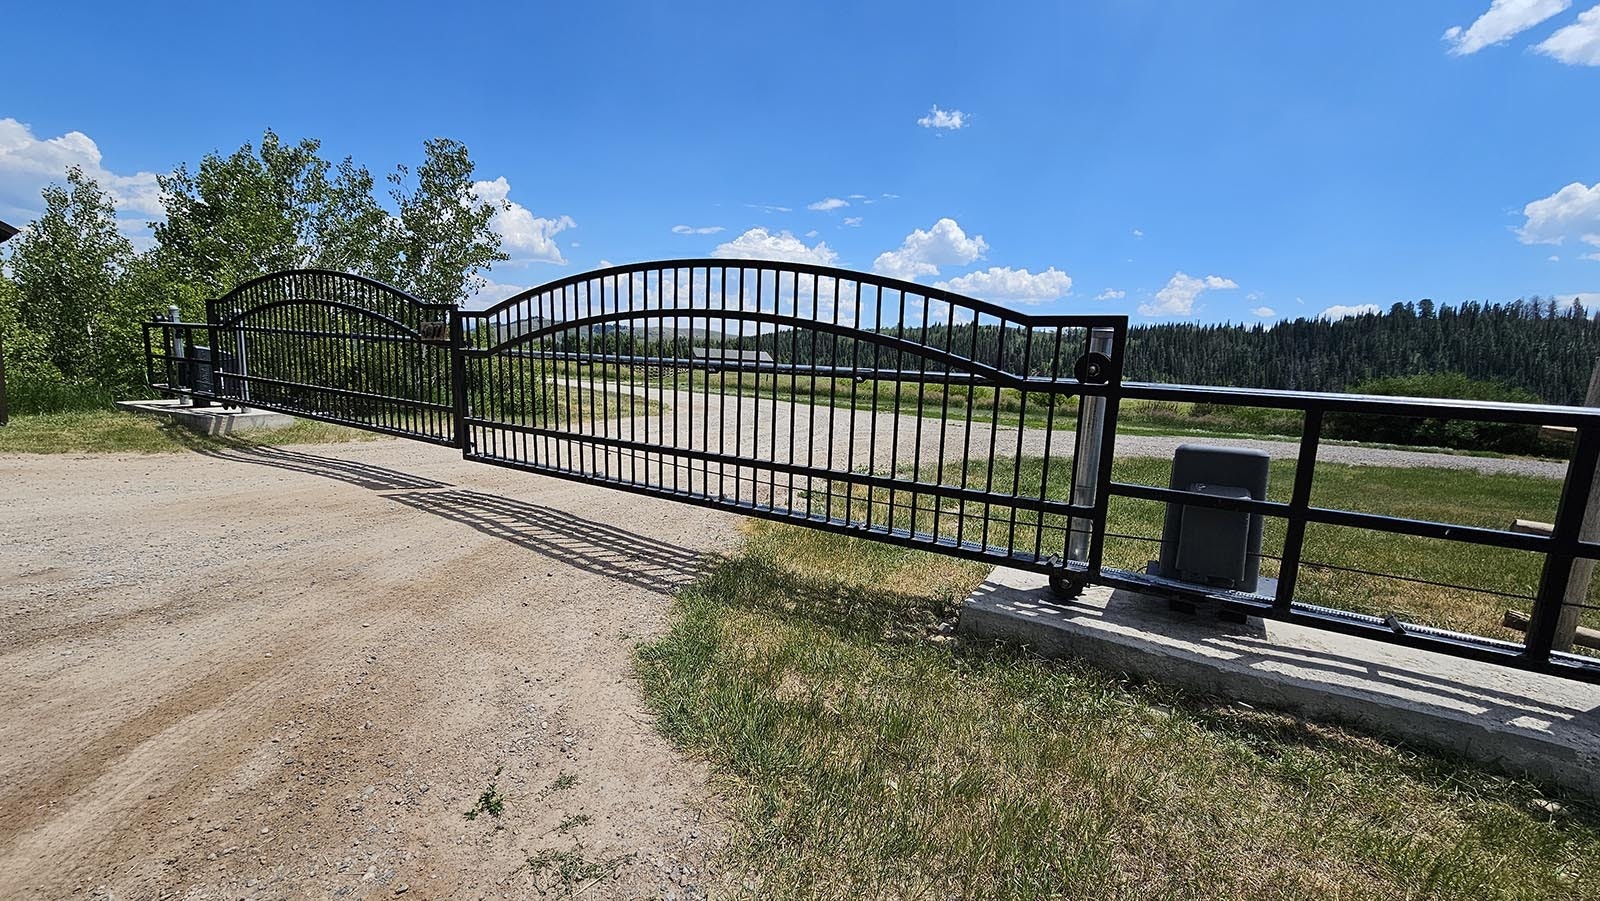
863 755
574 821
569 873
113 431
1464 497
563 782
490 801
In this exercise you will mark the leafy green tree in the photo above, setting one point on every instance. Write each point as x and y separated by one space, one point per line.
241 215
349 231
66 267
441 239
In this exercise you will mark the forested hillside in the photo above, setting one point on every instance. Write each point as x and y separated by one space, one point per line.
1536 344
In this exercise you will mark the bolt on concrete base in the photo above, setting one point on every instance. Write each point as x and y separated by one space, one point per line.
209 420
1514 721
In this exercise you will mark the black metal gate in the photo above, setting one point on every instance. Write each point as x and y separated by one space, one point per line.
851 403
836 399
323 345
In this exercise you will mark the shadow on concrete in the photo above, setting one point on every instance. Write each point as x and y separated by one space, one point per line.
593 547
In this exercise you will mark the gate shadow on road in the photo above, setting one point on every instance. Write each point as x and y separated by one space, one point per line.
594 547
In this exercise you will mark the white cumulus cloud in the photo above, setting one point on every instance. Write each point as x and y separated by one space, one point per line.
1504 20
1111 294
826 204
1182 290
526 237
1342 311
852 221
28 164
923 252
1264 312
760 244
491 293
1572 212
1577 44
940 118
1005 283
692 230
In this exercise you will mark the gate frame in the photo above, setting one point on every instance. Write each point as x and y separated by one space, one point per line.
1069 576
223 317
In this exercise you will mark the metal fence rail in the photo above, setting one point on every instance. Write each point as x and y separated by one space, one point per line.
840 401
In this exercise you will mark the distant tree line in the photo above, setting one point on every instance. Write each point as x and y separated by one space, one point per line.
1538 344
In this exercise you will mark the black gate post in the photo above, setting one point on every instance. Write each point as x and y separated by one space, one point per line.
1558 561
458 378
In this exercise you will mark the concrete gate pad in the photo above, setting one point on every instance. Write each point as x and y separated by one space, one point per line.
1516 721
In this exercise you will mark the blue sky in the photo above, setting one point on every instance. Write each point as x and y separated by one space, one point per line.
1172 160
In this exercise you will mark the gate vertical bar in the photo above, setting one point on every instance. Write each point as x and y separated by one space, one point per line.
1294 534
458 379
1111 403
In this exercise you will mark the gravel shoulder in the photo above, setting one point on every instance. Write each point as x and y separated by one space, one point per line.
290 671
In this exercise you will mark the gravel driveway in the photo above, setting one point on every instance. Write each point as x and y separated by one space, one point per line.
292 671
295 669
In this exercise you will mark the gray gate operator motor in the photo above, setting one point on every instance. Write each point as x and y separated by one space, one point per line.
1205 545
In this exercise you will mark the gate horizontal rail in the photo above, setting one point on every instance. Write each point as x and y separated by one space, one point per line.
835 400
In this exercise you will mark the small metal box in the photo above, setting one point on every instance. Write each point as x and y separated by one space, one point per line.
1207 545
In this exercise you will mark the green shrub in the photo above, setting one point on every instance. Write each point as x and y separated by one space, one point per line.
1464 434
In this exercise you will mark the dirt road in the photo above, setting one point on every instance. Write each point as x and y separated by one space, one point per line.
290 672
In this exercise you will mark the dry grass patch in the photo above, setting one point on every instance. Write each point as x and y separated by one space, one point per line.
868 756
114 431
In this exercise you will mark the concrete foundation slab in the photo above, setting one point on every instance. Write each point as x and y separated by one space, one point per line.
209 420
1514 721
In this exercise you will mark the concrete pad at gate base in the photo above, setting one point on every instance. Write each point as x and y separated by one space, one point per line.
1514 721
209 420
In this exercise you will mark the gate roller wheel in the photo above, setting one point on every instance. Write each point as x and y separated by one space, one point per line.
1093 368
1066 588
